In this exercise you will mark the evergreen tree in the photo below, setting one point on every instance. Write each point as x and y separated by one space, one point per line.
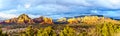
48 31
67 31
29 31
1 33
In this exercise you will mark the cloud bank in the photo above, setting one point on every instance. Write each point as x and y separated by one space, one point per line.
59 8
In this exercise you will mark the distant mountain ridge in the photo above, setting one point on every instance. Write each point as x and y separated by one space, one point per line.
22 19
92 15
84 16
25 19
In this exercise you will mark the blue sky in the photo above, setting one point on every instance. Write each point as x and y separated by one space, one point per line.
59 8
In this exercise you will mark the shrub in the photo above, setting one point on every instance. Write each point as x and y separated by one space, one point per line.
1 33
48 31
67 31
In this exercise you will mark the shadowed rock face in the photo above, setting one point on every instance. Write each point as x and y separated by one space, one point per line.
43 20
38 20
25 19
10 20
13 20
47 21
22 19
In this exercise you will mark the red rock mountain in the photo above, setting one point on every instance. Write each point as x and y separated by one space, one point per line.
43 20
25 19
38 20
22 19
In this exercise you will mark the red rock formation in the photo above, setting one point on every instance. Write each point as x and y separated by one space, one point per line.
47 21
22 19
25 19
38 20
13 20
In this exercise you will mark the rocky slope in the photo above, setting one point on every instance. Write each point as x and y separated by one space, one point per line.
22 19
38 20
25 19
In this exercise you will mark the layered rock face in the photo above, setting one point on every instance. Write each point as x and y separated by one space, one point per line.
38 20
22 19
43 20
25 19
47 21
13 20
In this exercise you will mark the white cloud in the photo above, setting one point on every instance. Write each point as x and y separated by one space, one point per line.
111 4
27 6
95 11
7 16
51 7
33 16
75 2
9 11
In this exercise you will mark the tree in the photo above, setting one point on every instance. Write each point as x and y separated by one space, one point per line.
1 33
67 31
48 31
29 31
105 29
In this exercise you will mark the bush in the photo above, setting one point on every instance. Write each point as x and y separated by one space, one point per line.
1 33
48 31
67 31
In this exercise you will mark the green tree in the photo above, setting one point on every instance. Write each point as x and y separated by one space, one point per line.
67 31
106 29
48 31
1 33
29 31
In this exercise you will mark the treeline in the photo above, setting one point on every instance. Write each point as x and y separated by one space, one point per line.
106 29
1 32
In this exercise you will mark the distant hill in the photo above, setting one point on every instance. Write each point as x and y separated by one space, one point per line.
92 15
89 15
114 18
84 16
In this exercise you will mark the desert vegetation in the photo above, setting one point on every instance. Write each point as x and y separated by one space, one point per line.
106 29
